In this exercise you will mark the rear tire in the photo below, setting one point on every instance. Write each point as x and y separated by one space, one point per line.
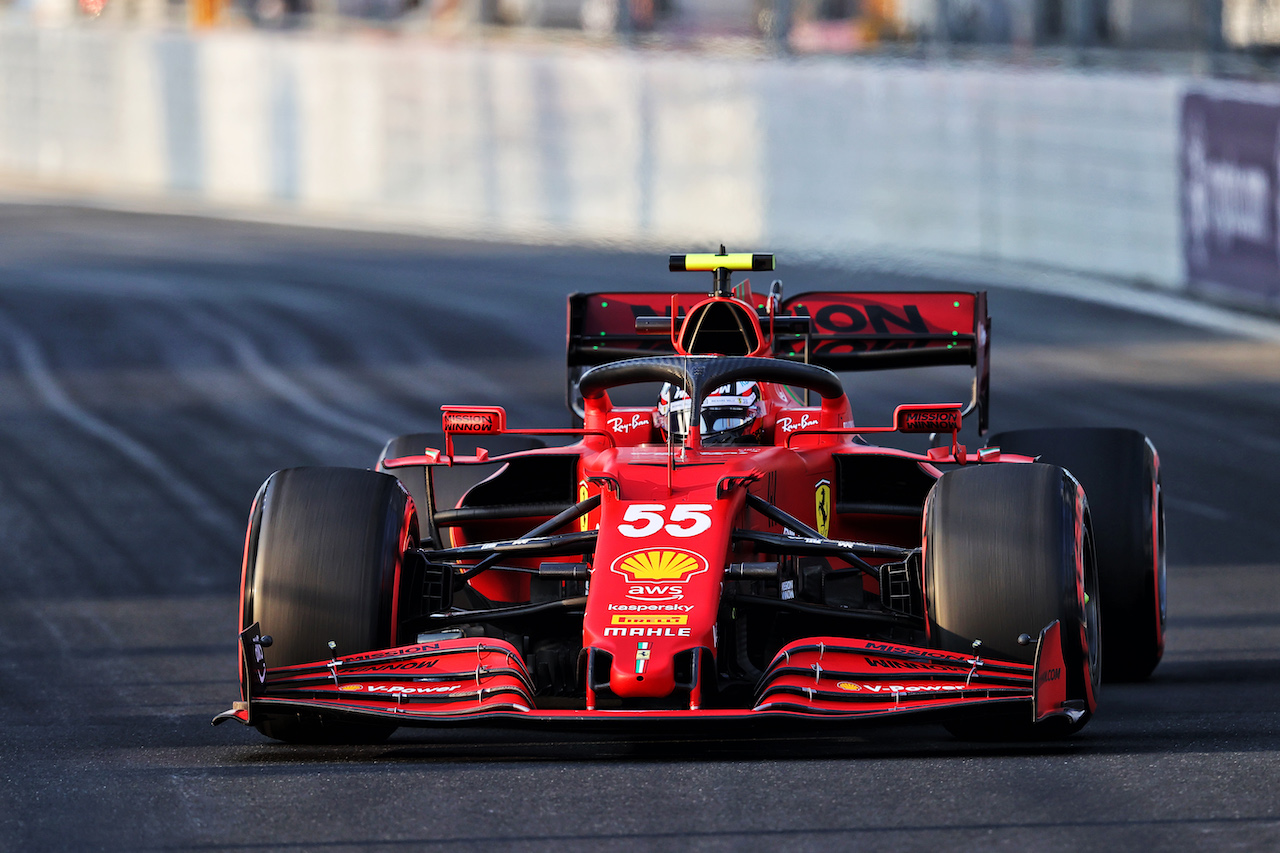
414 479
1007 552
448 483
323 552
1120 472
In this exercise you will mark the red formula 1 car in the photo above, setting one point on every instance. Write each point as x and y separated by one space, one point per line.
740 551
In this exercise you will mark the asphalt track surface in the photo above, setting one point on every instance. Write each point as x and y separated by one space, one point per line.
153 371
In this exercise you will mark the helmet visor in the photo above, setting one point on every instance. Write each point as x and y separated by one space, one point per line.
725 417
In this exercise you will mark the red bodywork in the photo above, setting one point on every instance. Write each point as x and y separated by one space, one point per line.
669 562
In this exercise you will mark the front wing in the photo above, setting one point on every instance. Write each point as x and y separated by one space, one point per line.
476 680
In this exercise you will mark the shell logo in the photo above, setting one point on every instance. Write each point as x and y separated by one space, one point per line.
849 685
659 564
350 687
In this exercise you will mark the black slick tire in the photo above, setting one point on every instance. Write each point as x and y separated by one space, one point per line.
446 483
321 560
1006 553
1120 472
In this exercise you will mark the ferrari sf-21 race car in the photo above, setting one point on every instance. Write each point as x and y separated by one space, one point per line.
740 551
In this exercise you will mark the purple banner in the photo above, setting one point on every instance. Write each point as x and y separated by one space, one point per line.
1230 150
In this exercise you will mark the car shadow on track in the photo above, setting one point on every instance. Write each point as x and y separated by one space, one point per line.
418 746
1188 706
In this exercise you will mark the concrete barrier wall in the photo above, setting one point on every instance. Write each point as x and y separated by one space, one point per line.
1068 170
1077 171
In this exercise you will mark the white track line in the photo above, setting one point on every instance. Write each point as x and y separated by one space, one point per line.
41 377
1165 304
279 383
1168 304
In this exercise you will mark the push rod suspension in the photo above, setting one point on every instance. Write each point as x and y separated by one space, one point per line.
821 544
496 551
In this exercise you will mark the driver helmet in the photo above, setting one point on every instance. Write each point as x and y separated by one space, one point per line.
731 414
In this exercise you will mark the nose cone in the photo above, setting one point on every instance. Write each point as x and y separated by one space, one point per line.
655 585
649 673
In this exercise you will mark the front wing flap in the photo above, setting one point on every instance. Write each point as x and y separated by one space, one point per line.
834 676
470 680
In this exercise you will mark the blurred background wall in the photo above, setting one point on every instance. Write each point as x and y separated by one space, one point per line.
1018 130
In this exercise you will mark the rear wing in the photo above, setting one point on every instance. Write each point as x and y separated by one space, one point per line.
846 331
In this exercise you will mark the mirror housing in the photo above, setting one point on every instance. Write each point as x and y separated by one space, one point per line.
935 418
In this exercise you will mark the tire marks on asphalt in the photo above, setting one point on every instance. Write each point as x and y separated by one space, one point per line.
278 382
35 368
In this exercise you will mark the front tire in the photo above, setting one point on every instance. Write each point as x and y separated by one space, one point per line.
1007 552
324 549
1120 472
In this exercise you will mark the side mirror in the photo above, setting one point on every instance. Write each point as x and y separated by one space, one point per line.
474 420
929 418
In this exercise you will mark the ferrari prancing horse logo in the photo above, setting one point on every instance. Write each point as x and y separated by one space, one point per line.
823 507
